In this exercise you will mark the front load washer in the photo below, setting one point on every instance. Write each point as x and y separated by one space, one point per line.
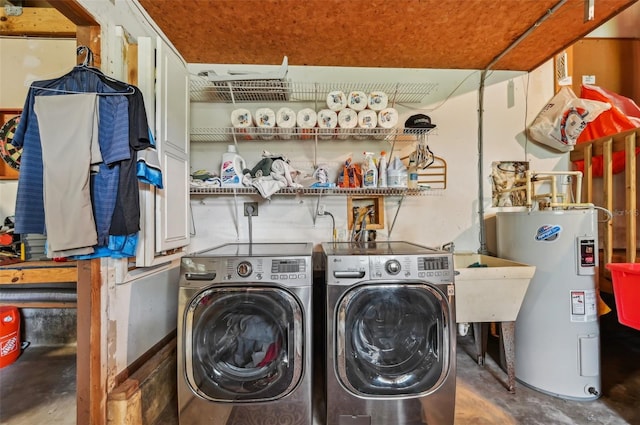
391 334
244 335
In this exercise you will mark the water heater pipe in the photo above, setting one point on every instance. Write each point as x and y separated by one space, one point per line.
483 76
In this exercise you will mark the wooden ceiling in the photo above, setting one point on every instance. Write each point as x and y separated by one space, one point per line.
440 34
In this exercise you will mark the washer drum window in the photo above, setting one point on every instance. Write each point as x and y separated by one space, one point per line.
243 344
392 339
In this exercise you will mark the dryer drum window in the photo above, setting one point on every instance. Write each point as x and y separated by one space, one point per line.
246 344
394 339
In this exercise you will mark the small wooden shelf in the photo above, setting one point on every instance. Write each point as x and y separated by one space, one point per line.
28 274
36 272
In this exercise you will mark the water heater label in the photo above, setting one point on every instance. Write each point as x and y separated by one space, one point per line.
587 255
548 233
584 306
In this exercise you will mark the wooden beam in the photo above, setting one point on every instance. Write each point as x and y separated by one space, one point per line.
75 12
37 22
607 186
90 387
40 304
631 200
90 36
33 272
588 174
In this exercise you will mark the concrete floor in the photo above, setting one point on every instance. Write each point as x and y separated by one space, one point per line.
39 388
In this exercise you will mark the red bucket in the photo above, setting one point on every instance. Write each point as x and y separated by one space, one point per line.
9 335
626 290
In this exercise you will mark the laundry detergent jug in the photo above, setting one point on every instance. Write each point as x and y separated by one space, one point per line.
396 173
231 168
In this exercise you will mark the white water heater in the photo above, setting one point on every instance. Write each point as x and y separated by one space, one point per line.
557 337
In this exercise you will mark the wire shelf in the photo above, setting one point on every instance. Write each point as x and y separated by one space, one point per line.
387 191
229 134
203 90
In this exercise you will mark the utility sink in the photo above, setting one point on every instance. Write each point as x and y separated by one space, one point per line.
489 294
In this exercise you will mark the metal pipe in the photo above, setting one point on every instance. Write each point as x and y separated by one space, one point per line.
10 295
483 76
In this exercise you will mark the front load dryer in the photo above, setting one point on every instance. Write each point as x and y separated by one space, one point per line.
391 334
244 335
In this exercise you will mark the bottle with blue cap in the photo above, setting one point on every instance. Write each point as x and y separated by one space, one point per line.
231 168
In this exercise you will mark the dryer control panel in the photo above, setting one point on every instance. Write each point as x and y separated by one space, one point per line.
354 268
292 271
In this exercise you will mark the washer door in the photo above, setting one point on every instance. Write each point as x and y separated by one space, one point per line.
243 344
392 339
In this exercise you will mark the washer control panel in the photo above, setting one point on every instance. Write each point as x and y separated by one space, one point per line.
289 271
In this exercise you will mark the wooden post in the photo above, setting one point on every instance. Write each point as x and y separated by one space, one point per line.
90 387
631 203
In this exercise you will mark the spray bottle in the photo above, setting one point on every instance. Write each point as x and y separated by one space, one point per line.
370 172
382 170
231 168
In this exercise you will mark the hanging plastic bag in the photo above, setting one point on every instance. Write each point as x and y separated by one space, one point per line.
561 121
623 115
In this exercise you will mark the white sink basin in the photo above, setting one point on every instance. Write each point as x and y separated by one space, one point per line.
489 294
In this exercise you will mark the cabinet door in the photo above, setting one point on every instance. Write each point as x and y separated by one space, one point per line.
165 211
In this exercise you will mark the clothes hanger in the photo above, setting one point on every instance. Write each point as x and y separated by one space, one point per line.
86 65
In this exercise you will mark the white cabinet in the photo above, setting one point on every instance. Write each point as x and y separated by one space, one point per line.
164 77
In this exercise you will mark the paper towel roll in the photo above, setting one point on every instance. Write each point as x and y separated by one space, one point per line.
307 119
347 120
357 100
336 100
266 122
367 122
367 119
378 100
327 122
327 118
241 121
241 118
388 118
285 122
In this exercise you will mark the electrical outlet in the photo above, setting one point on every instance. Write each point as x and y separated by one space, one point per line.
321 209
251 209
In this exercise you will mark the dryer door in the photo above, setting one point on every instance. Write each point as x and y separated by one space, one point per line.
392 339
243 344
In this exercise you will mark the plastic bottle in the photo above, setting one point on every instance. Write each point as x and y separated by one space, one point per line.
370 174
231 168
382 170
396 173
412 182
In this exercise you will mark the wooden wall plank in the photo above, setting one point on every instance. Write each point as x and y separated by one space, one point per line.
610 60
36 21
34 272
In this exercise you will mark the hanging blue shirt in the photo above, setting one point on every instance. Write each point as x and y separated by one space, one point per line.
113 138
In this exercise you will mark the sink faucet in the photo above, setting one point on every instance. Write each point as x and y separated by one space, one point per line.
449 246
